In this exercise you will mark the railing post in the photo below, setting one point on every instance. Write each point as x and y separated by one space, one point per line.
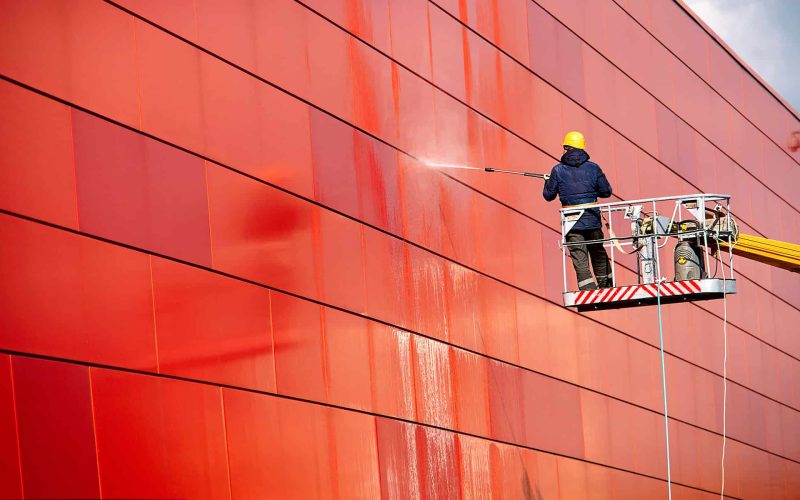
613 266
656 249
563 252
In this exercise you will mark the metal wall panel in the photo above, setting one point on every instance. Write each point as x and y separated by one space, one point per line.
218 219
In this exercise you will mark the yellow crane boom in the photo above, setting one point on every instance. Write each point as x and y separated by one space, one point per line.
773 252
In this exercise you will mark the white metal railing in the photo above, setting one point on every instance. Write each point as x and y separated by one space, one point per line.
709 215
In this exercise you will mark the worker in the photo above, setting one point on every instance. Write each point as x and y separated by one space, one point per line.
577 181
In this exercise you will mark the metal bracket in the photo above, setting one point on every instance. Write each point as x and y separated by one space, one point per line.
632 212
571 218
695 208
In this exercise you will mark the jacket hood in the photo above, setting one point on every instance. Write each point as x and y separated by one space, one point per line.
575 157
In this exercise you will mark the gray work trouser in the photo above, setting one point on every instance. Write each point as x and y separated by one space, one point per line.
582 253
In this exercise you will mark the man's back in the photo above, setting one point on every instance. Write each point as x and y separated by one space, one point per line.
577 180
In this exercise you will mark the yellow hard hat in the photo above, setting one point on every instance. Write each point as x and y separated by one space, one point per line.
575 139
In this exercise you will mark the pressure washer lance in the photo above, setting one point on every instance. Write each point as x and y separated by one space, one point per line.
487 169
526 174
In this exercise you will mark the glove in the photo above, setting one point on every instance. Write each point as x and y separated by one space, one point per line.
546 176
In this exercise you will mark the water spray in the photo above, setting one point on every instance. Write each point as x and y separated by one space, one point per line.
450 165
487 169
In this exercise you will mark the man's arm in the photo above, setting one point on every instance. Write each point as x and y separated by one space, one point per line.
550 190
602 186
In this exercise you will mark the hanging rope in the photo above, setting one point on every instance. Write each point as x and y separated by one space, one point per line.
664 385
724 375
731 243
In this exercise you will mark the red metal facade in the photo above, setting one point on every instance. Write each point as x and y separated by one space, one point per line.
227 274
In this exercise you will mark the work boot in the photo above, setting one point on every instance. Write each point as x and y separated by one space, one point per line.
604 282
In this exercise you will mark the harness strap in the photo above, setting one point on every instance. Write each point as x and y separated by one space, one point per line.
580 205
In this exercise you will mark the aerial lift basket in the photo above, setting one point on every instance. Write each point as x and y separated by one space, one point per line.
688 238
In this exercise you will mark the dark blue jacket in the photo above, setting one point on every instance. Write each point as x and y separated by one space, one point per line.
577 180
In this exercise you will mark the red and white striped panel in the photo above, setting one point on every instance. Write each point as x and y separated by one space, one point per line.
632 292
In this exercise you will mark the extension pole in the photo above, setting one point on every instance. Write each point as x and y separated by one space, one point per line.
526 174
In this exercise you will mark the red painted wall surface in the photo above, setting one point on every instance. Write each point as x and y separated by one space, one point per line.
227 274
